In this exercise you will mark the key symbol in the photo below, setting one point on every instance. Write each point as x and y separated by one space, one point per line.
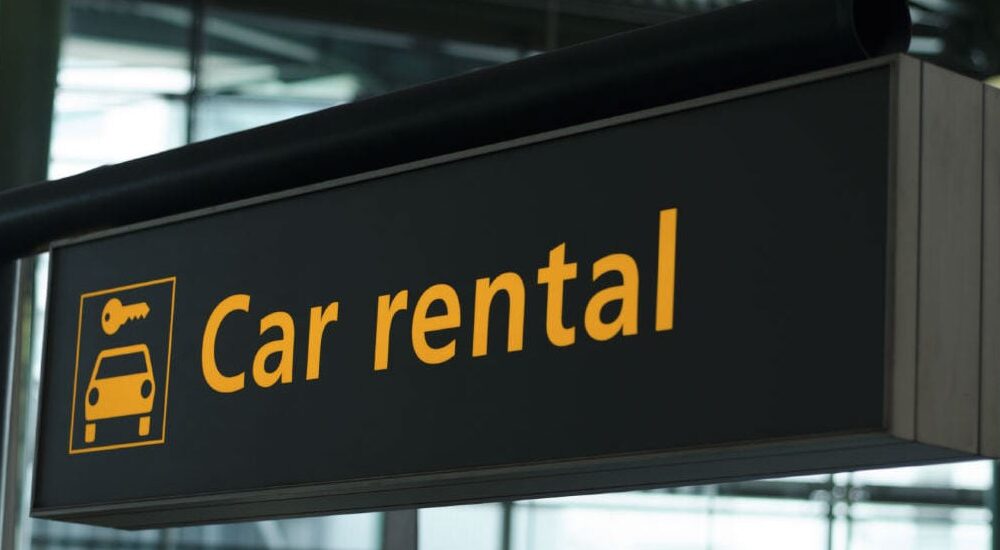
117 314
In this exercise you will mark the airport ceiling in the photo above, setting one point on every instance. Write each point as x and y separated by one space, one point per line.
962 35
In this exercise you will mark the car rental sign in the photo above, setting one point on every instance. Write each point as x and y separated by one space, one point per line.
693 293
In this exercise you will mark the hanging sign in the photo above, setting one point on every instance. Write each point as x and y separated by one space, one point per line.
685 294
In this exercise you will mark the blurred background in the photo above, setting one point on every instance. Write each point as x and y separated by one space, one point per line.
138 77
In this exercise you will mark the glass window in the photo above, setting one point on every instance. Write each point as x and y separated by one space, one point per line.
477 527
124 71
964 475
126 46
877 526
258 69
625 521
95 128
219 115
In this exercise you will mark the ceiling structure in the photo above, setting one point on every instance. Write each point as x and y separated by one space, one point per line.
963 35
300 45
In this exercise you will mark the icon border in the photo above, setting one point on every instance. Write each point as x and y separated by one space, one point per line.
166 383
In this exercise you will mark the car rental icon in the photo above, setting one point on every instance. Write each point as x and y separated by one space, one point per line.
121 385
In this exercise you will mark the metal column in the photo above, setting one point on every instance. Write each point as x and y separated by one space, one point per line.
30 32
400 530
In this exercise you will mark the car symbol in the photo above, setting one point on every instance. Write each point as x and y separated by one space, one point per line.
121 385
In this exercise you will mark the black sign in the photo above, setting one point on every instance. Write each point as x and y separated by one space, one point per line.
536 318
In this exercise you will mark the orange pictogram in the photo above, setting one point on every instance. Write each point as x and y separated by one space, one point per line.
123 367
116 314
119 394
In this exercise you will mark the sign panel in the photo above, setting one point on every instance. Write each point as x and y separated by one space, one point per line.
514 321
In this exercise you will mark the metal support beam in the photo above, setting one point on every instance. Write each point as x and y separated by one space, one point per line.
8 356
196 51
400 530
30 32
993 504
18 414
507 525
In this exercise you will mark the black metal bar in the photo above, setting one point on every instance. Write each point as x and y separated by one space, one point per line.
733 47
992 499
400 530
18 408
830 488
7 301
30 32
196 52
8 358
506 525
29 54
